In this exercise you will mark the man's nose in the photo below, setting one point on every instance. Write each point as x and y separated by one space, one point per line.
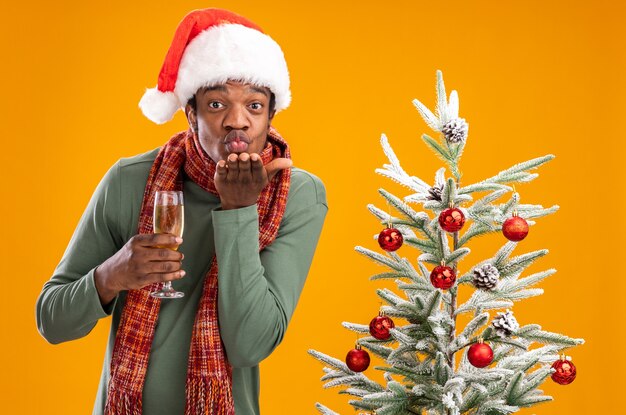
236 118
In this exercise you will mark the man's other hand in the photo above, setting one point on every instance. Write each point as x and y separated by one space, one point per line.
145 259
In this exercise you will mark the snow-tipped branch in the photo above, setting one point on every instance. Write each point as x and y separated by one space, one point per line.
533 332
519 172
324 410
379 258
395 172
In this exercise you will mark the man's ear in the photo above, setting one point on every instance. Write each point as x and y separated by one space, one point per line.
271 118
190 113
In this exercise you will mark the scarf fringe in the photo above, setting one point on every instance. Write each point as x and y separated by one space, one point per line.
120 402
209 396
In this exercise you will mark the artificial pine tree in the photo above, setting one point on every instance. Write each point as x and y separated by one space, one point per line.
502 363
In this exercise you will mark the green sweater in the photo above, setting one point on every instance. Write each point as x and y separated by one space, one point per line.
258 291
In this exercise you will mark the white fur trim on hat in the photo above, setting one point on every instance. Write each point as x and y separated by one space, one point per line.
218 54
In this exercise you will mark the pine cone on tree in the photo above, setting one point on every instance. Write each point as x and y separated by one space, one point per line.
505 324
486 277
455 130
434 193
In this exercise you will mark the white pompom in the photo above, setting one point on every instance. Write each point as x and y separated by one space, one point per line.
158 106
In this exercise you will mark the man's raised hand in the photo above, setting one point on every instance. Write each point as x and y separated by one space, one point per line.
240 179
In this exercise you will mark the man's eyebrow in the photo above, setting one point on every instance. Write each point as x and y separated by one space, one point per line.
258 89
218 87
222 88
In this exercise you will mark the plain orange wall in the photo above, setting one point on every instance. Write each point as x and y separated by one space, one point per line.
534 77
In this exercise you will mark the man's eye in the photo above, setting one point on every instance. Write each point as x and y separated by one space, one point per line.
215 104
256 106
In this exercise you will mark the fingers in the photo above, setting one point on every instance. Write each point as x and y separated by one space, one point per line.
256 165
162 267
163 254
155 247
151 240
232 161
240 167
163 277
144 259
241 177
161 264
245 175
221 170
277 165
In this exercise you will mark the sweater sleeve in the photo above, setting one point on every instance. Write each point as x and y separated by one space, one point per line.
258 291
68 306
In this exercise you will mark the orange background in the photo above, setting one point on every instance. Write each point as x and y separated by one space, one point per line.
534 78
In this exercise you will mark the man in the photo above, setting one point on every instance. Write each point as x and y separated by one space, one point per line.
252 223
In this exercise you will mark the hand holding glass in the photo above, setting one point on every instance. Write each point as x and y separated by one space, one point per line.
169 217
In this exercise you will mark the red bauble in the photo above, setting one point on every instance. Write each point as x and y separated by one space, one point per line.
390 239
358 359
480 354
442 277
379 327
515 228
451 219
565 371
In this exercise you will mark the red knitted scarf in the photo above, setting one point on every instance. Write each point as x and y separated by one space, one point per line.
209 375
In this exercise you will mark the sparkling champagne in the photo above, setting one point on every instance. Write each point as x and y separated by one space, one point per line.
169 219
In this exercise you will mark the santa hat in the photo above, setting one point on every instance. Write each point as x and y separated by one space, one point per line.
212 46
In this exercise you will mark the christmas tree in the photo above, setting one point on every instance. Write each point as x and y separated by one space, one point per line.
501 364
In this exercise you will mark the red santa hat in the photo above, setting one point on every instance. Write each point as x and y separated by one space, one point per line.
212 46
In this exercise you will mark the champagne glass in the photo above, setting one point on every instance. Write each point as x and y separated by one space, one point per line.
169 217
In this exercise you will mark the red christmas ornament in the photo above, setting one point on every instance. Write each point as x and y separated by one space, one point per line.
451 219
515 228
358 359
442 277
380 325
390 239
480 354
565 371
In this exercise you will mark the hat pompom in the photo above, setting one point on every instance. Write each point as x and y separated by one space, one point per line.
158 106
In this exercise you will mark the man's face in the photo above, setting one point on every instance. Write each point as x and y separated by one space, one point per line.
231 118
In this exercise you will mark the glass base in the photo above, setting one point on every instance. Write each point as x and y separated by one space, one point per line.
167 293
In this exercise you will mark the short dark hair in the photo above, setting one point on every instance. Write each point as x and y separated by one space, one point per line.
192 102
